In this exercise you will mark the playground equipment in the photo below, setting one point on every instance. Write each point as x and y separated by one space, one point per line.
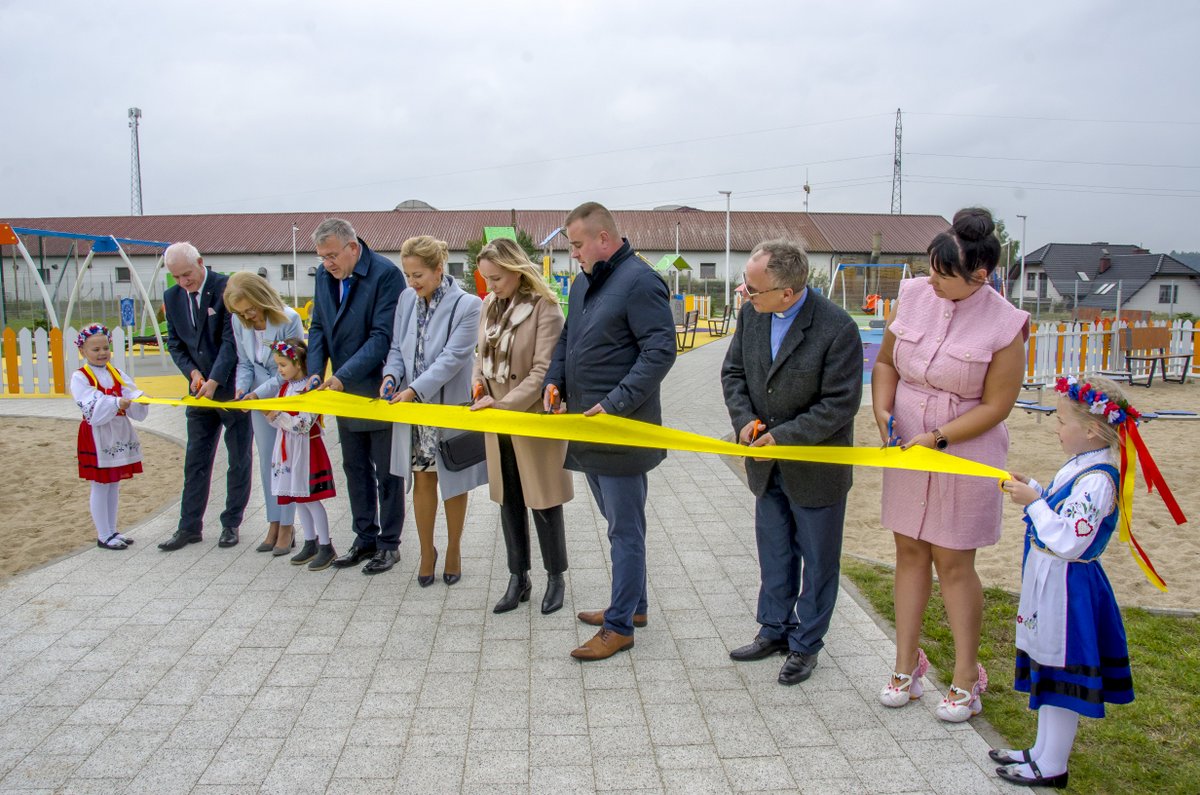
104 244
841 269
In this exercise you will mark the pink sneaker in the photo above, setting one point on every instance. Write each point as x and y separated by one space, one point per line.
909 689
959 705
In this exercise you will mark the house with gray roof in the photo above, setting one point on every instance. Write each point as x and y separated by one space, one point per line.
1093 274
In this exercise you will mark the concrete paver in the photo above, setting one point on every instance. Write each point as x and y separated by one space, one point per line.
213 670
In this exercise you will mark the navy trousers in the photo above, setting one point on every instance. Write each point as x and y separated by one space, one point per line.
622 502
799 552
376 495
203 431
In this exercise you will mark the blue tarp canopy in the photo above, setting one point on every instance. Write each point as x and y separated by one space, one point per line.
100 243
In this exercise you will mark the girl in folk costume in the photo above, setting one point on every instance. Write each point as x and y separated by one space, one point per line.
1072 656
300 469
108 448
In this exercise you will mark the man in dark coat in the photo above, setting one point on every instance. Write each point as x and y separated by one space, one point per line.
616 348
793 375
200 339
353 309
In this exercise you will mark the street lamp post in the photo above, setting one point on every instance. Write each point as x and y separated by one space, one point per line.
727 194
1021 295
295 276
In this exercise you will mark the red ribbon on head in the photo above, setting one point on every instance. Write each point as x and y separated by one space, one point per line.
1151 472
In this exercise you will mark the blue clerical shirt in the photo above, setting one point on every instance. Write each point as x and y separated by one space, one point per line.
782 321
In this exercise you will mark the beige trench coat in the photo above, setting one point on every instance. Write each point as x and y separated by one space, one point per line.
544 482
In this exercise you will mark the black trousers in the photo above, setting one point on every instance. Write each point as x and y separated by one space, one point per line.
514 520
203 431
376 495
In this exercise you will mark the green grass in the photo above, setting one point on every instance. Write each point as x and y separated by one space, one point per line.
1151 745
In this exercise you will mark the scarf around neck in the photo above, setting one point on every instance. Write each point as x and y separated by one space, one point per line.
502 320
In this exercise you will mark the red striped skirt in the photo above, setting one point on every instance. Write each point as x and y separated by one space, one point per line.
320 474
88 470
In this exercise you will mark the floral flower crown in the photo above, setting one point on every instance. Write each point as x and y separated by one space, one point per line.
90 331
283 349
1116 412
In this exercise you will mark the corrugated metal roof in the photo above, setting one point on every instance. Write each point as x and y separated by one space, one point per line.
650 230
902 234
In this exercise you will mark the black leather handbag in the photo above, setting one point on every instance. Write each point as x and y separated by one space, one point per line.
460 449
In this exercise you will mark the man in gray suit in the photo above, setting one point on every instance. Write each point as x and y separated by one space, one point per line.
793 376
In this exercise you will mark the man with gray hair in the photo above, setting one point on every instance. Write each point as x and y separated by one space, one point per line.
200 339
354 305
793 375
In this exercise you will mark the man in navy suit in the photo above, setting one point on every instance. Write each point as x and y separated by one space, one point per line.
200 338
615 350
354 307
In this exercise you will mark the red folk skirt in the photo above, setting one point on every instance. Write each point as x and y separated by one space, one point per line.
320 473
88 470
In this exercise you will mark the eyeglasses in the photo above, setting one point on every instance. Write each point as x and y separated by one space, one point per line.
752 294
247 313
323 258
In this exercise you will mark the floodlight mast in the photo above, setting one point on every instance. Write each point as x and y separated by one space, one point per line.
135 164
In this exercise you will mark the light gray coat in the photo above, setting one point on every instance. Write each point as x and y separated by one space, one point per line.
450 359
259 376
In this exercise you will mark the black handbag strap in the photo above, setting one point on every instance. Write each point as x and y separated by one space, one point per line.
449 330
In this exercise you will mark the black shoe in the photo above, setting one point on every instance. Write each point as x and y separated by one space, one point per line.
354 556
1009 774
426 580
384 559
553 600
324 557
1003 757
449 578
797 667
229 537
518 591
758 649
306 553
179 541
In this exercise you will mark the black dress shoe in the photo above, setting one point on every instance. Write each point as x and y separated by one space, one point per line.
553 600
1004 757
179 541
354 556
758 649
229 537
449 578
1009 773
796 668
384 559
426 580
518 591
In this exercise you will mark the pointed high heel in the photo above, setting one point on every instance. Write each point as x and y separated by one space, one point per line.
281 549
269 542
426 580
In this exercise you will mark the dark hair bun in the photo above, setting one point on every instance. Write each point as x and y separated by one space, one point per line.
973 224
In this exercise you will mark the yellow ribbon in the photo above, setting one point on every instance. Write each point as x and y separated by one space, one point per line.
600 429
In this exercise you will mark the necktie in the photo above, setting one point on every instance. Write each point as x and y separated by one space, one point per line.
345 290
194 302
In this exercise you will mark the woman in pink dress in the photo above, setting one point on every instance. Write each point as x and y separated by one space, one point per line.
947 375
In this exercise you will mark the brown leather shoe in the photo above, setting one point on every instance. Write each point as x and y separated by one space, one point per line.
595 618
603 645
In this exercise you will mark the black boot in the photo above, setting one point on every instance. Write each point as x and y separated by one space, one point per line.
553 600
518 591
306 553
325 556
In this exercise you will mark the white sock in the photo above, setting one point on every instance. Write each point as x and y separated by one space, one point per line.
1039 745
1056 736
314 521
114 499
99 503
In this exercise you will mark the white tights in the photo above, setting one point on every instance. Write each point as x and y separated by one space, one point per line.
104 508
1055 737
314 521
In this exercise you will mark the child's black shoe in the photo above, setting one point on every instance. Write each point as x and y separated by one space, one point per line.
306 553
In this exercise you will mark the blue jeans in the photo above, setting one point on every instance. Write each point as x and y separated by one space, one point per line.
799 552
622 502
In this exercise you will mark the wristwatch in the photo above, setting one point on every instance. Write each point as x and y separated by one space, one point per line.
939 440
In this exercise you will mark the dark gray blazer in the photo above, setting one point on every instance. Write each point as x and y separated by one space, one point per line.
209 348
807 396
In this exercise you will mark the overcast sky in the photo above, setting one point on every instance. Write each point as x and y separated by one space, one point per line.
1082 115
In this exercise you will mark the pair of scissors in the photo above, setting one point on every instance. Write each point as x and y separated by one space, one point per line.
555 400
893 440
477 392
756 429
389 386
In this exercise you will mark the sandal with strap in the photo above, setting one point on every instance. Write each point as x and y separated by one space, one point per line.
1012 774
114 541
1005 756
909 689
960 705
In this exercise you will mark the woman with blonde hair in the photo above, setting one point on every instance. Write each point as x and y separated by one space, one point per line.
519 328
433 346
264 319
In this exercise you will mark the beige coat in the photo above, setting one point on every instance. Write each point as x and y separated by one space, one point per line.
544 482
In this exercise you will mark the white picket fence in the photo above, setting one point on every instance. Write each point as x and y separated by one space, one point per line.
1056 349
29 370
